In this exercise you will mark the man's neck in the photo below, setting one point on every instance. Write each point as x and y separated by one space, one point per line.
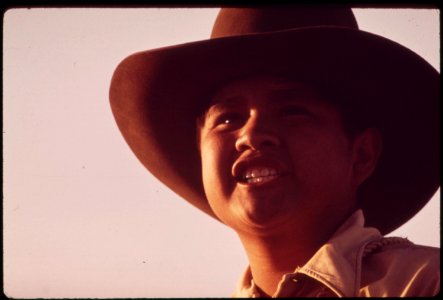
272 257
275 254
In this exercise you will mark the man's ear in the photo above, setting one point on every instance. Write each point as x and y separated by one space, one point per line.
367 147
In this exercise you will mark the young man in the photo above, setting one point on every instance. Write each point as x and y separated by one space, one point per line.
295 147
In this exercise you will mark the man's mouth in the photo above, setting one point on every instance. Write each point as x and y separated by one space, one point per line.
257 170
259 175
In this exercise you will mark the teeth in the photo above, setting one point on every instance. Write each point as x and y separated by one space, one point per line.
260 174
261 179
264 172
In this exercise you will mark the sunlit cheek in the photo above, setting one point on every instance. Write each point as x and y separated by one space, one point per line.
215 180
213 161
207 158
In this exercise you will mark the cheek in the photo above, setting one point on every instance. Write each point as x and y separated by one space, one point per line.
324 161
216 166
217 159
209 159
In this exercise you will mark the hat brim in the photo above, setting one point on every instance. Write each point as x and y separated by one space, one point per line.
157 95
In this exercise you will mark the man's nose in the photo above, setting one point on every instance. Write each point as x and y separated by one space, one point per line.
257 134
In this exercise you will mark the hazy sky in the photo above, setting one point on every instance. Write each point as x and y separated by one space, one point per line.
82 217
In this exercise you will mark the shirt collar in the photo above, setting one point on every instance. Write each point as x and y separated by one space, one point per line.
336 264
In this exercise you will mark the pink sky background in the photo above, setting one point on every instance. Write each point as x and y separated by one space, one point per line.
82 217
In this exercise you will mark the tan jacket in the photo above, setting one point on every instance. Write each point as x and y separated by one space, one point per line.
358 262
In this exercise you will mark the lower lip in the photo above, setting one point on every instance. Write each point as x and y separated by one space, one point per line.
261 181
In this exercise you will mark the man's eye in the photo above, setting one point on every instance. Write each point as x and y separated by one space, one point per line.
228 119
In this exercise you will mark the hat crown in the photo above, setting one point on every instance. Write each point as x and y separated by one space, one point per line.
241 21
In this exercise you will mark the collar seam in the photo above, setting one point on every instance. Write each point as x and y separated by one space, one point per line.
318 277
358 264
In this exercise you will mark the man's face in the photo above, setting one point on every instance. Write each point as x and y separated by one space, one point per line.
274 154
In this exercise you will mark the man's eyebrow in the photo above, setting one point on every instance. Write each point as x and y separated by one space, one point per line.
291 94
233 101
219 105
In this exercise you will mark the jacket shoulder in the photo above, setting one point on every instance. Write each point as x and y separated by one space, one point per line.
396 267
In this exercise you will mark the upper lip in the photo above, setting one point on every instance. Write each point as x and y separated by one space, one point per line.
256 160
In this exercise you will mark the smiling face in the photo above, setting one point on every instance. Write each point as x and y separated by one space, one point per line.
275 156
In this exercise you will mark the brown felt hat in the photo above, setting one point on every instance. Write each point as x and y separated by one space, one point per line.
156 96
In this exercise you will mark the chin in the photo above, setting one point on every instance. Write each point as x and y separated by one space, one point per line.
261 219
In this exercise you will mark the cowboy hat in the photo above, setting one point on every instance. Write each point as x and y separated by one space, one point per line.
157 95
